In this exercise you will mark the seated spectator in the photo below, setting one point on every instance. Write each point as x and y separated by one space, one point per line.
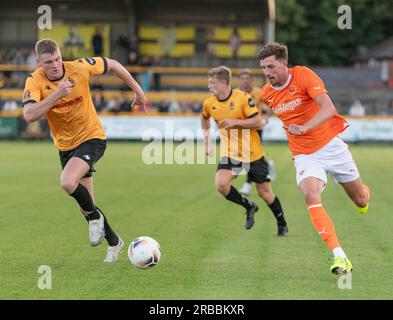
196 107
163 106
113 105
186 106
357 109
125 103
98 100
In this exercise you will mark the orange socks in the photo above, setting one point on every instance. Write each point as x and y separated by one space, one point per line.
322 223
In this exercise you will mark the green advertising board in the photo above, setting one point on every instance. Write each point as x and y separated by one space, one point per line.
8 127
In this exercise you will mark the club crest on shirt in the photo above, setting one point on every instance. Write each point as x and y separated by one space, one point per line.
231 106
90 61
72 80
251 103
292 89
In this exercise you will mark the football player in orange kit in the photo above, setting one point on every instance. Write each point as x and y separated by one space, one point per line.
297 96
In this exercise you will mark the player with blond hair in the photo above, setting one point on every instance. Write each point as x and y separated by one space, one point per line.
59 91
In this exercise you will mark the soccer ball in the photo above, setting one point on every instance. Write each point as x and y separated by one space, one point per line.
144 252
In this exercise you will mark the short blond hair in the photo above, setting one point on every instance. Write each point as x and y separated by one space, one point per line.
221 73
45 46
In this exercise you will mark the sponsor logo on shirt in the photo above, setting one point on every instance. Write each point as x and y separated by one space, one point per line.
290 106
69 103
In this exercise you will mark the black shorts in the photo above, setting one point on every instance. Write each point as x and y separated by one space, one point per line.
258 170
89 151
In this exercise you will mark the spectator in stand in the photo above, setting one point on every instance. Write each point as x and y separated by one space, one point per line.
146 76
124 103
19 59
196 107
133 44
186 106
163 106
98 100
357 109
113 104
234 42
390 109
156 75
133 61
31 60
97 42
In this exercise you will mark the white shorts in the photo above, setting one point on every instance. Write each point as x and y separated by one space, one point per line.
333 158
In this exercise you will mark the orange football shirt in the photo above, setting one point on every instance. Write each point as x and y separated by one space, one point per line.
294 103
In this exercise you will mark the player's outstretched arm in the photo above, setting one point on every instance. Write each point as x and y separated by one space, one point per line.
124 75
34 111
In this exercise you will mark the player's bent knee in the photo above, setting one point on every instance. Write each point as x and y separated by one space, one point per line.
223 188
266 196
68 185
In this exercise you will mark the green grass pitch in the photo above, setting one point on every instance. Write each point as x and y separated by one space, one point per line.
206 252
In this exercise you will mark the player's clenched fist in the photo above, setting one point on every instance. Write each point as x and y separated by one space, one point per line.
64 88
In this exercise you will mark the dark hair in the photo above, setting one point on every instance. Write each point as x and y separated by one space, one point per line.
278 50
221 73
45 46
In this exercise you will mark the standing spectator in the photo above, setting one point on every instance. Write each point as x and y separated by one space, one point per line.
156 75
97 42
390 109
146 76
133 44
357 109
234 42
19 59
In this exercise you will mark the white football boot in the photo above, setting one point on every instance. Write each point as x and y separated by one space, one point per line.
113 252
96 231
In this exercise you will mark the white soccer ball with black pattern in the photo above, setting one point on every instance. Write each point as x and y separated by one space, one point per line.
144 252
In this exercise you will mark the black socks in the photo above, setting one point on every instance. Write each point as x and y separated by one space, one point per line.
236 197
276 208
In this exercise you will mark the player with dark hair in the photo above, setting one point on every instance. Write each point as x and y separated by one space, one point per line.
299 99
